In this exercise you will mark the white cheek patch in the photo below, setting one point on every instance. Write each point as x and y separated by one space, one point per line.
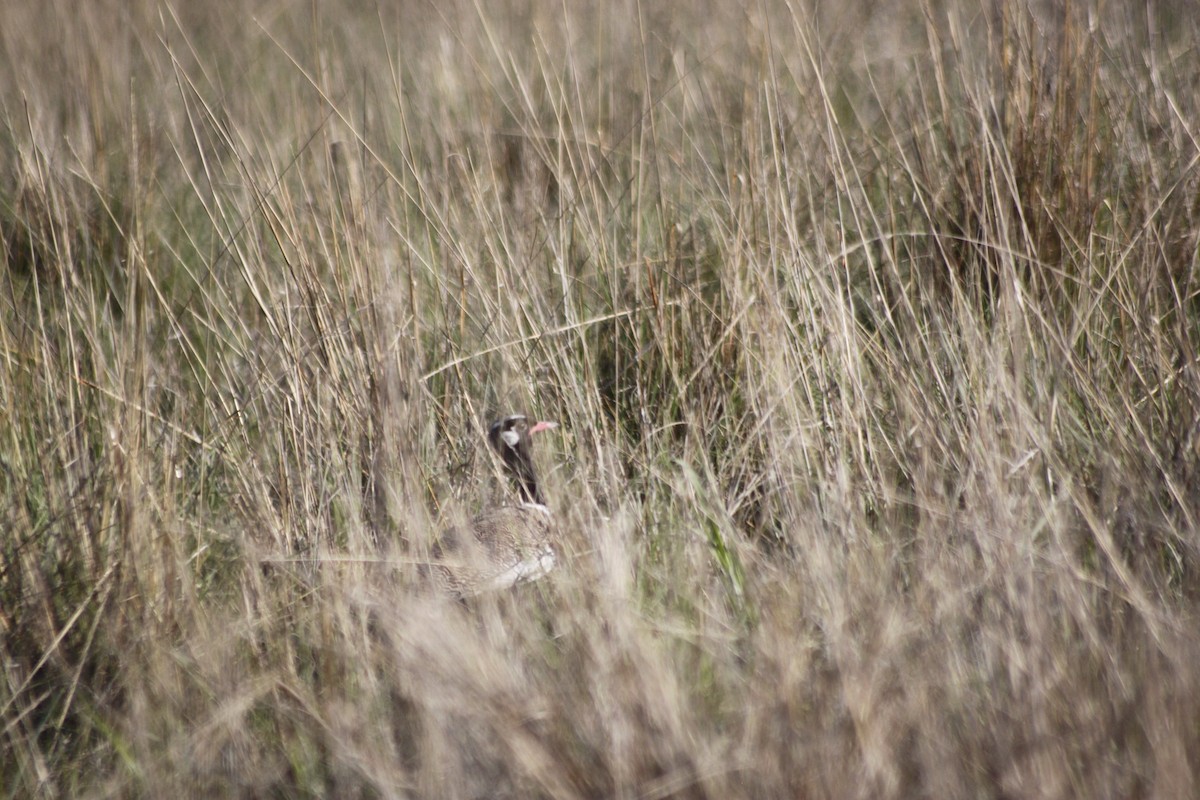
510 438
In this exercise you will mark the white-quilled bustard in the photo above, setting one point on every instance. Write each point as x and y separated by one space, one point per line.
505 544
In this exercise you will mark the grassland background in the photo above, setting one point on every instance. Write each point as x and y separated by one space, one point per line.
872 330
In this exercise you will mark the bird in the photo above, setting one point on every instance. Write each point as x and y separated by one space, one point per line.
507 544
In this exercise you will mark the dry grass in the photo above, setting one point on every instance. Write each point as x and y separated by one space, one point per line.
873 335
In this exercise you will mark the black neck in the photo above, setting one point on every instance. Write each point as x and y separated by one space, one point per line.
520 466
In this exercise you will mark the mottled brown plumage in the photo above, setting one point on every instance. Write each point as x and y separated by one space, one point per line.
508 544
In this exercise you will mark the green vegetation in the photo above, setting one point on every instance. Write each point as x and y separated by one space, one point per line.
874 337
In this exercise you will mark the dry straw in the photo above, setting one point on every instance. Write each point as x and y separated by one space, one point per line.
871 332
